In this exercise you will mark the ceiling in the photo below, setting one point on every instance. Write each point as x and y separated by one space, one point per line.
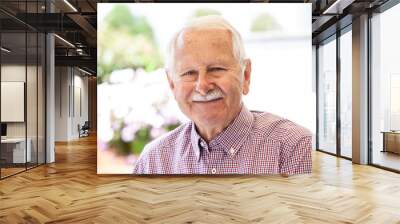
75 42
75 21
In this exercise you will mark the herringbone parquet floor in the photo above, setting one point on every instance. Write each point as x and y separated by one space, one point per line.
70 191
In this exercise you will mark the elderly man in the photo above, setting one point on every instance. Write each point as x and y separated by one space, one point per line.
207 71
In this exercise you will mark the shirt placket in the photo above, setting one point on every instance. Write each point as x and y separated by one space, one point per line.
211 168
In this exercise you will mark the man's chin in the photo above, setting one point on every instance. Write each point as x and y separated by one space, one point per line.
207 112
208 119
210 116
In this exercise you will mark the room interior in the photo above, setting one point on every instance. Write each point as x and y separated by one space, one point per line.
48 91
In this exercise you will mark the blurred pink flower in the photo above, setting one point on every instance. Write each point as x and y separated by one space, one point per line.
156 132
115 126
128 132
131 159
102 145
171 120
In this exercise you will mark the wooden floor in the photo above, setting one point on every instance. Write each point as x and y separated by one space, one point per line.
70 191
10 171
387 159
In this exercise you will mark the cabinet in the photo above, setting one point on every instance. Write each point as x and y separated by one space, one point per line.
391 141
13 150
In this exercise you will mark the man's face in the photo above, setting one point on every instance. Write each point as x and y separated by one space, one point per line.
206 79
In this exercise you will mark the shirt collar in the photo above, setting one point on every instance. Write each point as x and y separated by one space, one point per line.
231 138
195 139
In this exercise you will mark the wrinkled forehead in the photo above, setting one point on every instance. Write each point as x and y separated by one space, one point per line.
201 37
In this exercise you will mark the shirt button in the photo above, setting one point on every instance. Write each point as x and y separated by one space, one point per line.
202 144
231 151
213 171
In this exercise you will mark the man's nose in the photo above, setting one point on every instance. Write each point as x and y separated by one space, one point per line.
203 84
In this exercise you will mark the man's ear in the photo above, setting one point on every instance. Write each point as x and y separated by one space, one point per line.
170 79
246 76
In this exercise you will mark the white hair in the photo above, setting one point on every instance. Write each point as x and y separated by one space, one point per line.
207 22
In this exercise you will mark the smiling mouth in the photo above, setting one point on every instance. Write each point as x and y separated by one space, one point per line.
209 101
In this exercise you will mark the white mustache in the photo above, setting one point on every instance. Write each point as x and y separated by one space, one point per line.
211 95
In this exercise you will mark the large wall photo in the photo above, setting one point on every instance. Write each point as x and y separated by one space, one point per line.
150 120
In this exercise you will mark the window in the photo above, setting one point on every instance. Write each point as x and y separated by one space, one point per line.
22 78
327 97
346 94
385 89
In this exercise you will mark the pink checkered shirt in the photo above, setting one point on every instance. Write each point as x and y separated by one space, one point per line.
254 143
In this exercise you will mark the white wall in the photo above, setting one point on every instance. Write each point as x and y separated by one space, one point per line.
62 81
16 73
33 126
12 94
71 93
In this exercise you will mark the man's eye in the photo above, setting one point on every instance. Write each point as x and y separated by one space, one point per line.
189 73
217 69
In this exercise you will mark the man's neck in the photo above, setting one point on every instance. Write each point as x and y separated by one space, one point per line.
209 131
